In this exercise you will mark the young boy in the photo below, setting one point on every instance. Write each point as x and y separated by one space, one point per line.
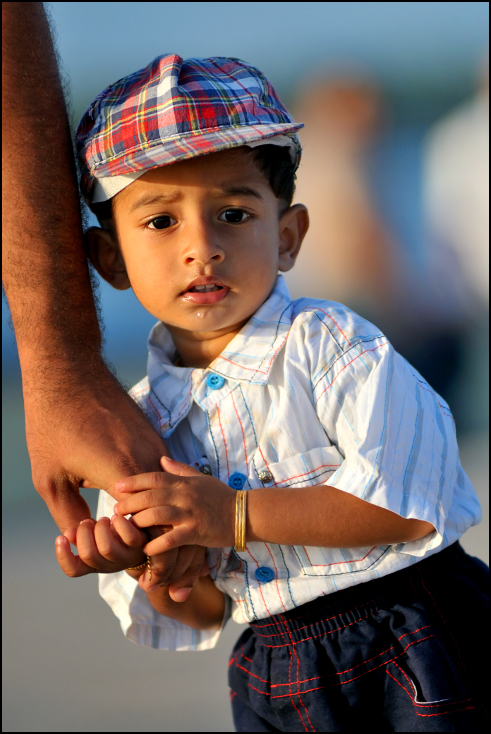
317 467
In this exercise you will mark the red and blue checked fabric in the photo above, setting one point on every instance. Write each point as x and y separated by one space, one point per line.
175 109
307 393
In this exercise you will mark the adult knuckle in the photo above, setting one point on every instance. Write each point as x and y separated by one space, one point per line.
155 478
155 515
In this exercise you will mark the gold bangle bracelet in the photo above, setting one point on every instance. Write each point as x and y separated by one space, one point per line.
240 520
145 564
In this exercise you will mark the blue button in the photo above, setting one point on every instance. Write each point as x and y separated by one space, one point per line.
264 574
215 382
237 480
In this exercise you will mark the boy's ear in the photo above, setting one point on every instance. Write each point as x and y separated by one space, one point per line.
105 256
294 224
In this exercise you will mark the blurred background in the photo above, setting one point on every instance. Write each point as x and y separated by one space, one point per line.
395 172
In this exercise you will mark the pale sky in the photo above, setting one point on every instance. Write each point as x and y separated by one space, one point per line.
397 42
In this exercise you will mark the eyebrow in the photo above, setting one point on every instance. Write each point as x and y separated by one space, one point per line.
241 191
150 199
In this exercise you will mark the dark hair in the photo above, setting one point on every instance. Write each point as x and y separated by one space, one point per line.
274 162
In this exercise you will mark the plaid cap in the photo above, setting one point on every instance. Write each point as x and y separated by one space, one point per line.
175 109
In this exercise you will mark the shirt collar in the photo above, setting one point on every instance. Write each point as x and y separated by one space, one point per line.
248 358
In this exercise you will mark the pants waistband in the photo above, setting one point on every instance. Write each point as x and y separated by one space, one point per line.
333 611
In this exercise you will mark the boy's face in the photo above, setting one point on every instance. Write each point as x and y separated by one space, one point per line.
200 242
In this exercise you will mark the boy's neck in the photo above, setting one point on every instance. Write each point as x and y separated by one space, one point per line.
200 349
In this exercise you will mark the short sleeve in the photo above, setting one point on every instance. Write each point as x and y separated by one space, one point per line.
395 434
140 622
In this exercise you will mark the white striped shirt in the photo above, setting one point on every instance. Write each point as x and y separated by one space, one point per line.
308 392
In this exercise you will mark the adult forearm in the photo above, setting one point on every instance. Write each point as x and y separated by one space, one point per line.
325 517
45 271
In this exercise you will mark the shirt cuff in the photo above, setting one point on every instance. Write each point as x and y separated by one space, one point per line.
142 624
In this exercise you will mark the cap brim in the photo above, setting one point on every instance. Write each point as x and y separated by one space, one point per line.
181 147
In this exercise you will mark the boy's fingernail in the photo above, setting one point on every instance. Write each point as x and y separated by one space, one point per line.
119 485
59 540
115 508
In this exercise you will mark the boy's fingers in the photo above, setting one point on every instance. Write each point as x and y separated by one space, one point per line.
163 515
184 558
111 548
128 532
162 566
172 466
140 501
70 564
190 576
87 548
173 539
151 480
71 534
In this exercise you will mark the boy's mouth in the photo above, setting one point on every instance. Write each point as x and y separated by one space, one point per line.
203 294
205 288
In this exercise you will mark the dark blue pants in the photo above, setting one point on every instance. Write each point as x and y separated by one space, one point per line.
406 652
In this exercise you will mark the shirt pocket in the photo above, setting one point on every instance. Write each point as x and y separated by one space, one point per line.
307 470
303 470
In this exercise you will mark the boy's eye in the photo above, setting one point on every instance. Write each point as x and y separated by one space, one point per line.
234 216
161 222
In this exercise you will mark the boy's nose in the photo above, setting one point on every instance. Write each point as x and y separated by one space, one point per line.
202 246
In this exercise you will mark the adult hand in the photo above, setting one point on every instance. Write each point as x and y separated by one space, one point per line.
91 434
84 430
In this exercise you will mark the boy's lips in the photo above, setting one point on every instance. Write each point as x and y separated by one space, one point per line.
205 291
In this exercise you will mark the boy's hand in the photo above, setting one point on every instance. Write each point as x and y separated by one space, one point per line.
200 508
108 547
102 548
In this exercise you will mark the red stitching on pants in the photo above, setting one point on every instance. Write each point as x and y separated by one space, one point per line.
450 711
406 677
413 633
298 686
275 634
423 703
322 633
348 670
310 614
290 688
342 683
256 676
